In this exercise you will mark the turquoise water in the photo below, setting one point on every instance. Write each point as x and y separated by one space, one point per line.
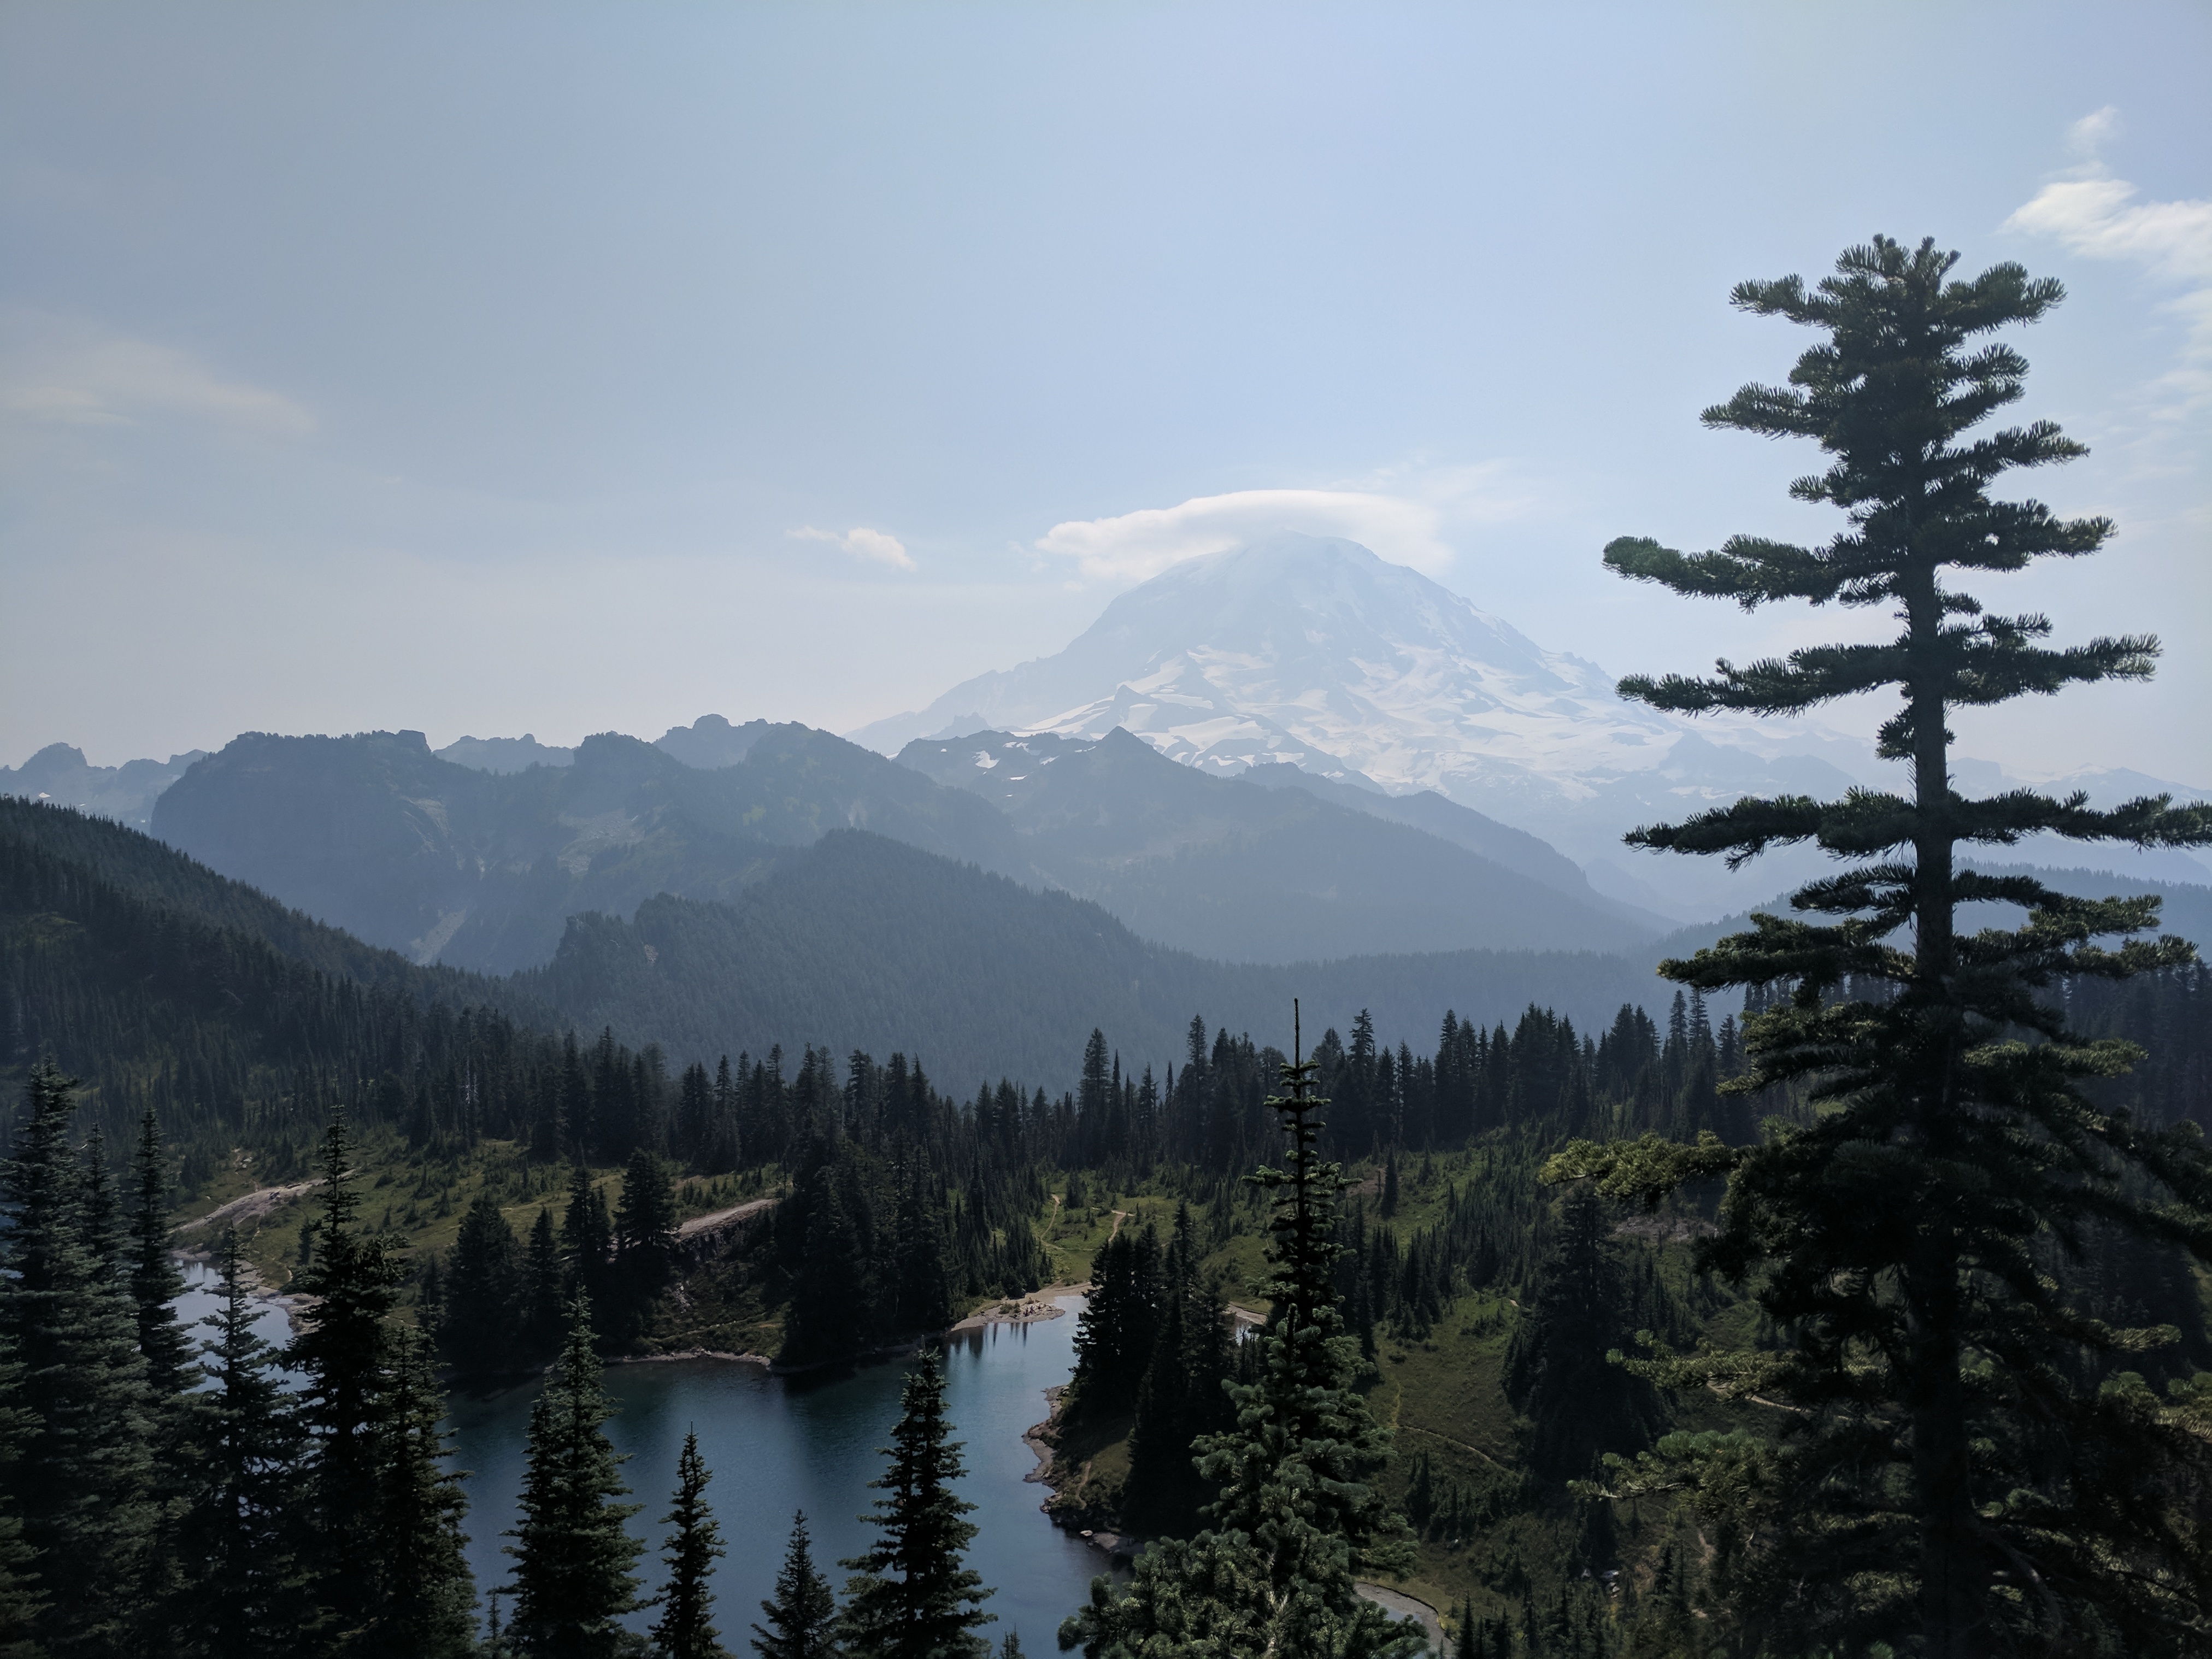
776 1444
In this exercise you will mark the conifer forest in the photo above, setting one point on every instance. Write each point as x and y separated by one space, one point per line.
1843 1294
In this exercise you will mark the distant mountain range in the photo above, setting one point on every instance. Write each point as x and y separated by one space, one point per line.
481 870
855 942
1291 750
59 773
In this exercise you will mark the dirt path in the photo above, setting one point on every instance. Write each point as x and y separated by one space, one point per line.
701 1223
1120 1215
254 1206
1414 1428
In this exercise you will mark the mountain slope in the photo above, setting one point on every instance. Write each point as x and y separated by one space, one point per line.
1314 651
859 942
1226 869
375 834
156 981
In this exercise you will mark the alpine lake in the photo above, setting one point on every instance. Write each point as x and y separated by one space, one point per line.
778 1444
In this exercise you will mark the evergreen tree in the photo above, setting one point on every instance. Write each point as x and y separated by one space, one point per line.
426 1597
829 1299
925 1287
1299 1513
1182 1397
1556 1370
542 1280
912 1597
81 1476
155 1284
21 1604
587 1235
480 1292
644 1239
167 1347
1940 1471
802 1616
342 1348
246 1600
685 1631
574 1561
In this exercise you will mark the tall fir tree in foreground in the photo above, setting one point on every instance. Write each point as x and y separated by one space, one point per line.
1299 1515
574 1562
684 1630
21 1604
802 1615
80 1479
913 1596
343 1348
155 1282
247 1600
426 1599
1945 1476
164 1343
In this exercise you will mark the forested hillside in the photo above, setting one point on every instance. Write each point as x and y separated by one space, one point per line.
860 942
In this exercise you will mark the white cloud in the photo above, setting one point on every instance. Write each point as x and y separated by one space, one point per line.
879 545
2087 135
1405 513
65 373
2098 216
1137 546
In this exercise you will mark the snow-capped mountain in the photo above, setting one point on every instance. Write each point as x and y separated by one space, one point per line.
1317 652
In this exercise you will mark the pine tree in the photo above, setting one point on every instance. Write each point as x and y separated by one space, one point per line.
342 1348
1556 1370
155 1284
1299 1513
246 1599
542 1299
644 1241
425 1597
479 1291
1182 1398
166 1348
21 1604
1940 1472
81 1474
684 1630
587 1235
912 1597
829 1300
574 1561
802 1616
925 1287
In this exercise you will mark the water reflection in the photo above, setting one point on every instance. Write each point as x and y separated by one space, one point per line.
780 1443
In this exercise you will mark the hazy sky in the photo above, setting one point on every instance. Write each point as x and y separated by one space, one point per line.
487 368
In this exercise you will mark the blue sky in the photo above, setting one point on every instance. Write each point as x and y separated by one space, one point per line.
488 368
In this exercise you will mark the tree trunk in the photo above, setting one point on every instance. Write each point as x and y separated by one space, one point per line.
1953 1576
